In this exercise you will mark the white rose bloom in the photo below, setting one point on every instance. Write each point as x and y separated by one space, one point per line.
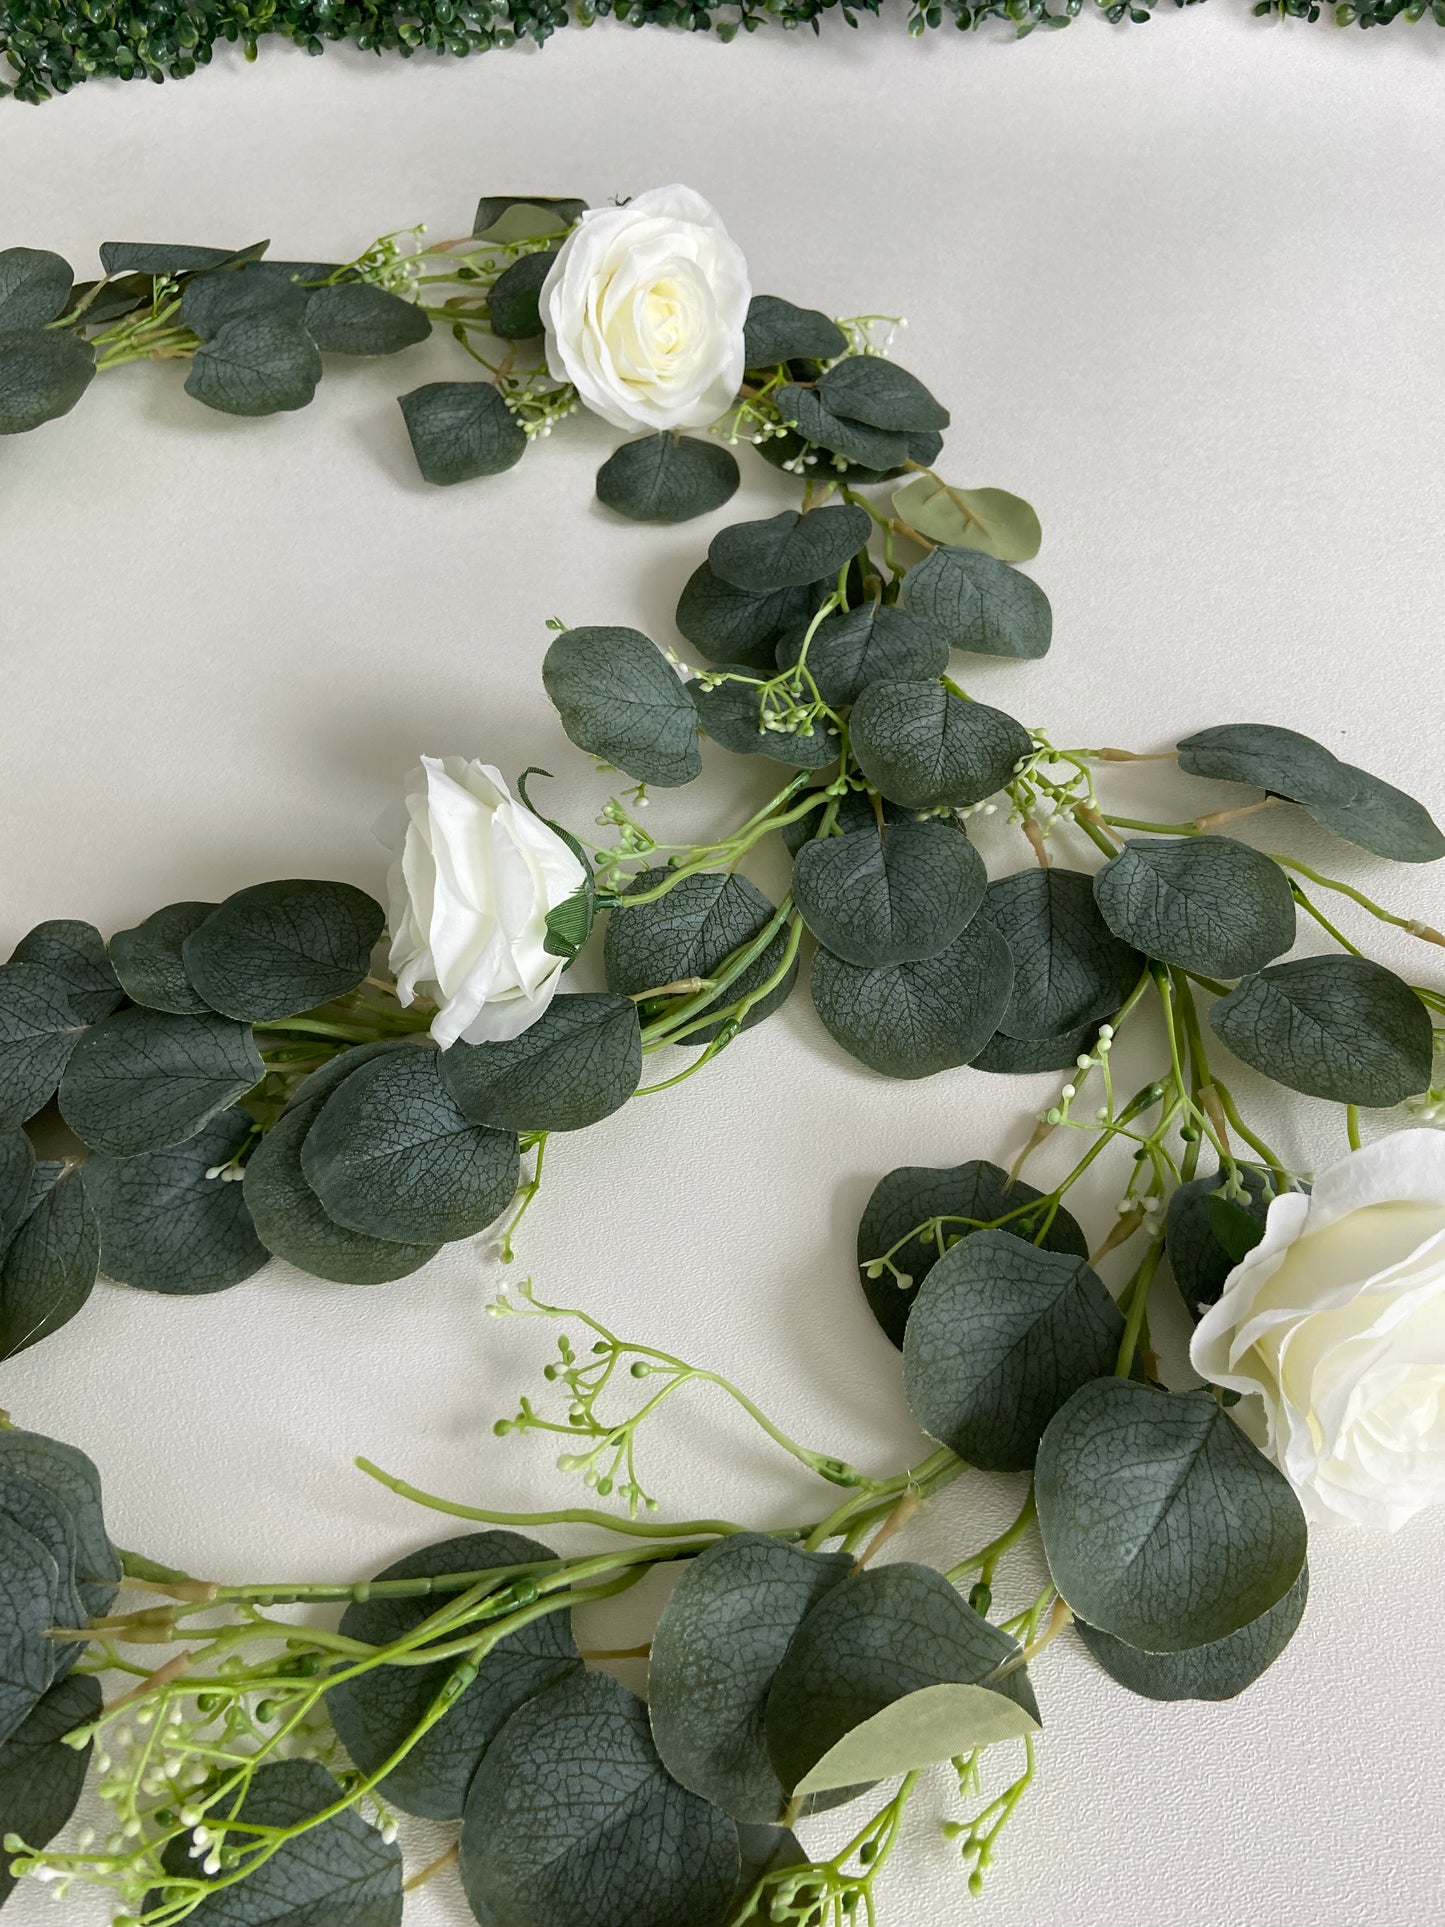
1337 1322
472 879
644 310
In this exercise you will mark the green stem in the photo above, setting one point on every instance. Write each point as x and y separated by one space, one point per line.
1137 1291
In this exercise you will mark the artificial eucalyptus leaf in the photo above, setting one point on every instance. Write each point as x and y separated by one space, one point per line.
43 374
512 299
577 1064
789 550
1338 1027
109 300
74 954
38 1511
39 1030
913 1019
924 1728
1280 761
338 1873
40 1776
572 1817
392 1154
293 1224
776 331
1162 1523
149 963
1000 1335
209 301
29 1583
142 1079
166 1224
1006 1056
889 895
692 931
508 218
1218 1671
722 1637
1198 1258
324 1080
667 478
1069 967
376 1712
927 748
730 711
806 410
1382 819
880 1636
34 287
620 700
276 949
72 1477
258 364
730 624
869 388
876 642
990 519
981 604
17 1167
460 430
166 257
358 318
919 1212
1205 903
50 1266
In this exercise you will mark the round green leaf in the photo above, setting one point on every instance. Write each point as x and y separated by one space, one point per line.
1218 1671
392 1154
209 301
1205 903
989 519
258 364
149 963
74 954
572 1817
853 442
142 1079
1336 1027
50 1266
970 1197
730 624
667 478
1162 1524
29 1584
1382 819
293 1224
791 549
577 1064
876 642
1069 967
34 287
71 1476
928 749
39 1030
40 1776
358 318
460 430
279 948
776 331
868 388
692 931
1001 1334
323 1081
981 604
621 701
912 1019
1007 1056
1200 1263
376 1712
731 713
165 1224
512 300
889 896
721 1639
43 374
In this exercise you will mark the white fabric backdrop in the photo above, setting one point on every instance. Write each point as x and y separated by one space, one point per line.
1183 289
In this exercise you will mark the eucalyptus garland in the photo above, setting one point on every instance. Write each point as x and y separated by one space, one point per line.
226 1082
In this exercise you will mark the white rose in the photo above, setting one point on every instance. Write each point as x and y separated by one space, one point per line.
644 310
1337 1322
472 879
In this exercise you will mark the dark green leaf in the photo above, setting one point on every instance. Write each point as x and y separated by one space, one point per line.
731 713
1006 1056
322 1082
506 218
788 550
969 1198
1162 1524
17 1170
1382 819
573 1818
786 449
1001 1334
49 1268
1199 1261
889 897
1069 967
39 1029
280 948
149 963
512 298
40 1776
165 1224
730 624
1215 1672
853 441
667 478
1235 1229
43 374
142 1079
460 430
1336 1027
875 642
928 749
165 257
867 388
692 931
293 1224
979 603
776 331
34 287
71 1476
912 1019
989 519
1205 903
377 1711
1281 761
357 318
720 1640
621 701
578 1063
74 954
258 364
29 1584
38 1511
209 301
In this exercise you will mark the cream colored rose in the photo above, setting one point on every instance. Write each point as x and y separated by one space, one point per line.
1336 1321
644 310
472 879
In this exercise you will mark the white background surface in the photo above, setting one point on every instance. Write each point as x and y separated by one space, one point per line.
1183 288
